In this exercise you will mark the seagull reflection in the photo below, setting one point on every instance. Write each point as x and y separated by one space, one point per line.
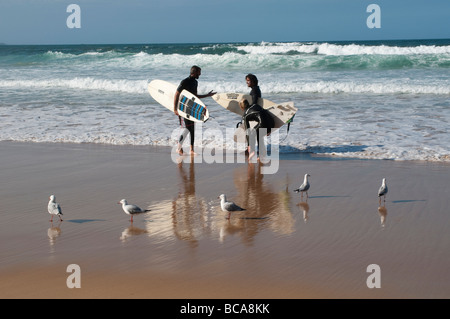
131 231
53 233
230 229
383 213
304 208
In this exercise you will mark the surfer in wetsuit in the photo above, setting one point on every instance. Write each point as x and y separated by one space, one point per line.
254 112
189 84
263 119
252 82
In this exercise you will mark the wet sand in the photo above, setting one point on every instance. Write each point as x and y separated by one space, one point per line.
282 246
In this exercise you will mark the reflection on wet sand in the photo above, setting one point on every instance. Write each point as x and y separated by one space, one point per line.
270 208
131 231
53 233
304 209
189 213
185 217
192 217
382 210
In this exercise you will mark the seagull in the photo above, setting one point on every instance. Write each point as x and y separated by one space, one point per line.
54 208
304 187
228 206
131 209
383 190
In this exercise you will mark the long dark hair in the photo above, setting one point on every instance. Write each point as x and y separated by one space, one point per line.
252 78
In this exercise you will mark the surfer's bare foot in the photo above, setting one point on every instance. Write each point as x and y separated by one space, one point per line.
180 151
193 152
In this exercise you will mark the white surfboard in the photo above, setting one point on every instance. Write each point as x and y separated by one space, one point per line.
189 106
282 113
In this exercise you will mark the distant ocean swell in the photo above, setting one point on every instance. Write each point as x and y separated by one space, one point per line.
273 56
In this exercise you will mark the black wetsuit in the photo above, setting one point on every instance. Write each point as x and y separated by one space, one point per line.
256 113
189 84
255 93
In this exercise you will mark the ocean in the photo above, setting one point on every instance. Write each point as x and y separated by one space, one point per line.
369 100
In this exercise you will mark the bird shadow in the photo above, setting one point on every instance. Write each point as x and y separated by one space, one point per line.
82 221
329 196
408 201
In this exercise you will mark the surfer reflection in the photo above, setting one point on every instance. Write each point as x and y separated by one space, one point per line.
265 207
188 212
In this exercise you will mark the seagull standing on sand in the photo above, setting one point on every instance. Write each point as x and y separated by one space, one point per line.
383 190
304 187
131 209
228 206
54 208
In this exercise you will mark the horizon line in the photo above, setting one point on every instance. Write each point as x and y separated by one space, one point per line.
225 42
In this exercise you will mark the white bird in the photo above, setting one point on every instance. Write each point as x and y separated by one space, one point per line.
228 206
304 187
383 190
54 208
131 209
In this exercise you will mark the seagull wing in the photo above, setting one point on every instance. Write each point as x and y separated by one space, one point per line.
230 206
133 209
54 209
382 191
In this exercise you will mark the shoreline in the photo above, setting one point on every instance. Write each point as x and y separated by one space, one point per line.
283 247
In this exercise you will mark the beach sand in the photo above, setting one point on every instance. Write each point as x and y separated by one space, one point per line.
280 247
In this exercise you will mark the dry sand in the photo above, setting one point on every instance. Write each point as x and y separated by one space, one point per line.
280 247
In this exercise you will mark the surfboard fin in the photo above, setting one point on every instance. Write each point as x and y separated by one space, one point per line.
289 122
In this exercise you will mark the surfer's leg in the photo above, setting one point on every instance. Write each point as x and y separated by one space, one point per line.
190 126
181 140
251 143
192 140
261 132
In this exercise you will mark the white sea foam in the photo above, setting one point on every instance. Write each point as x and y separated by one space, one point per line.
275 87
337 49
79 83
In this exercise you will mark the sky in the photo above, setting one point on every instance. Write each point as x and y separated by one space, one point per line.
219 21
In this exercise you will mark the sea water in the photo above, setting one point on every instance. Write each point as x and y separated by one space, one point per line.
371 100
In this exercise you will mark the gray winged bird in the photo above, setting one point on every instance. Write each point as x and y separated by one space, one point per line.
383 190
228 206
304 187
54 208
131 209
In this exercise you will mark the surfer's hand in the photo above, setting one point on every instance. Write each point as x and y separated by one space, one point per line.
211 93
175 111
